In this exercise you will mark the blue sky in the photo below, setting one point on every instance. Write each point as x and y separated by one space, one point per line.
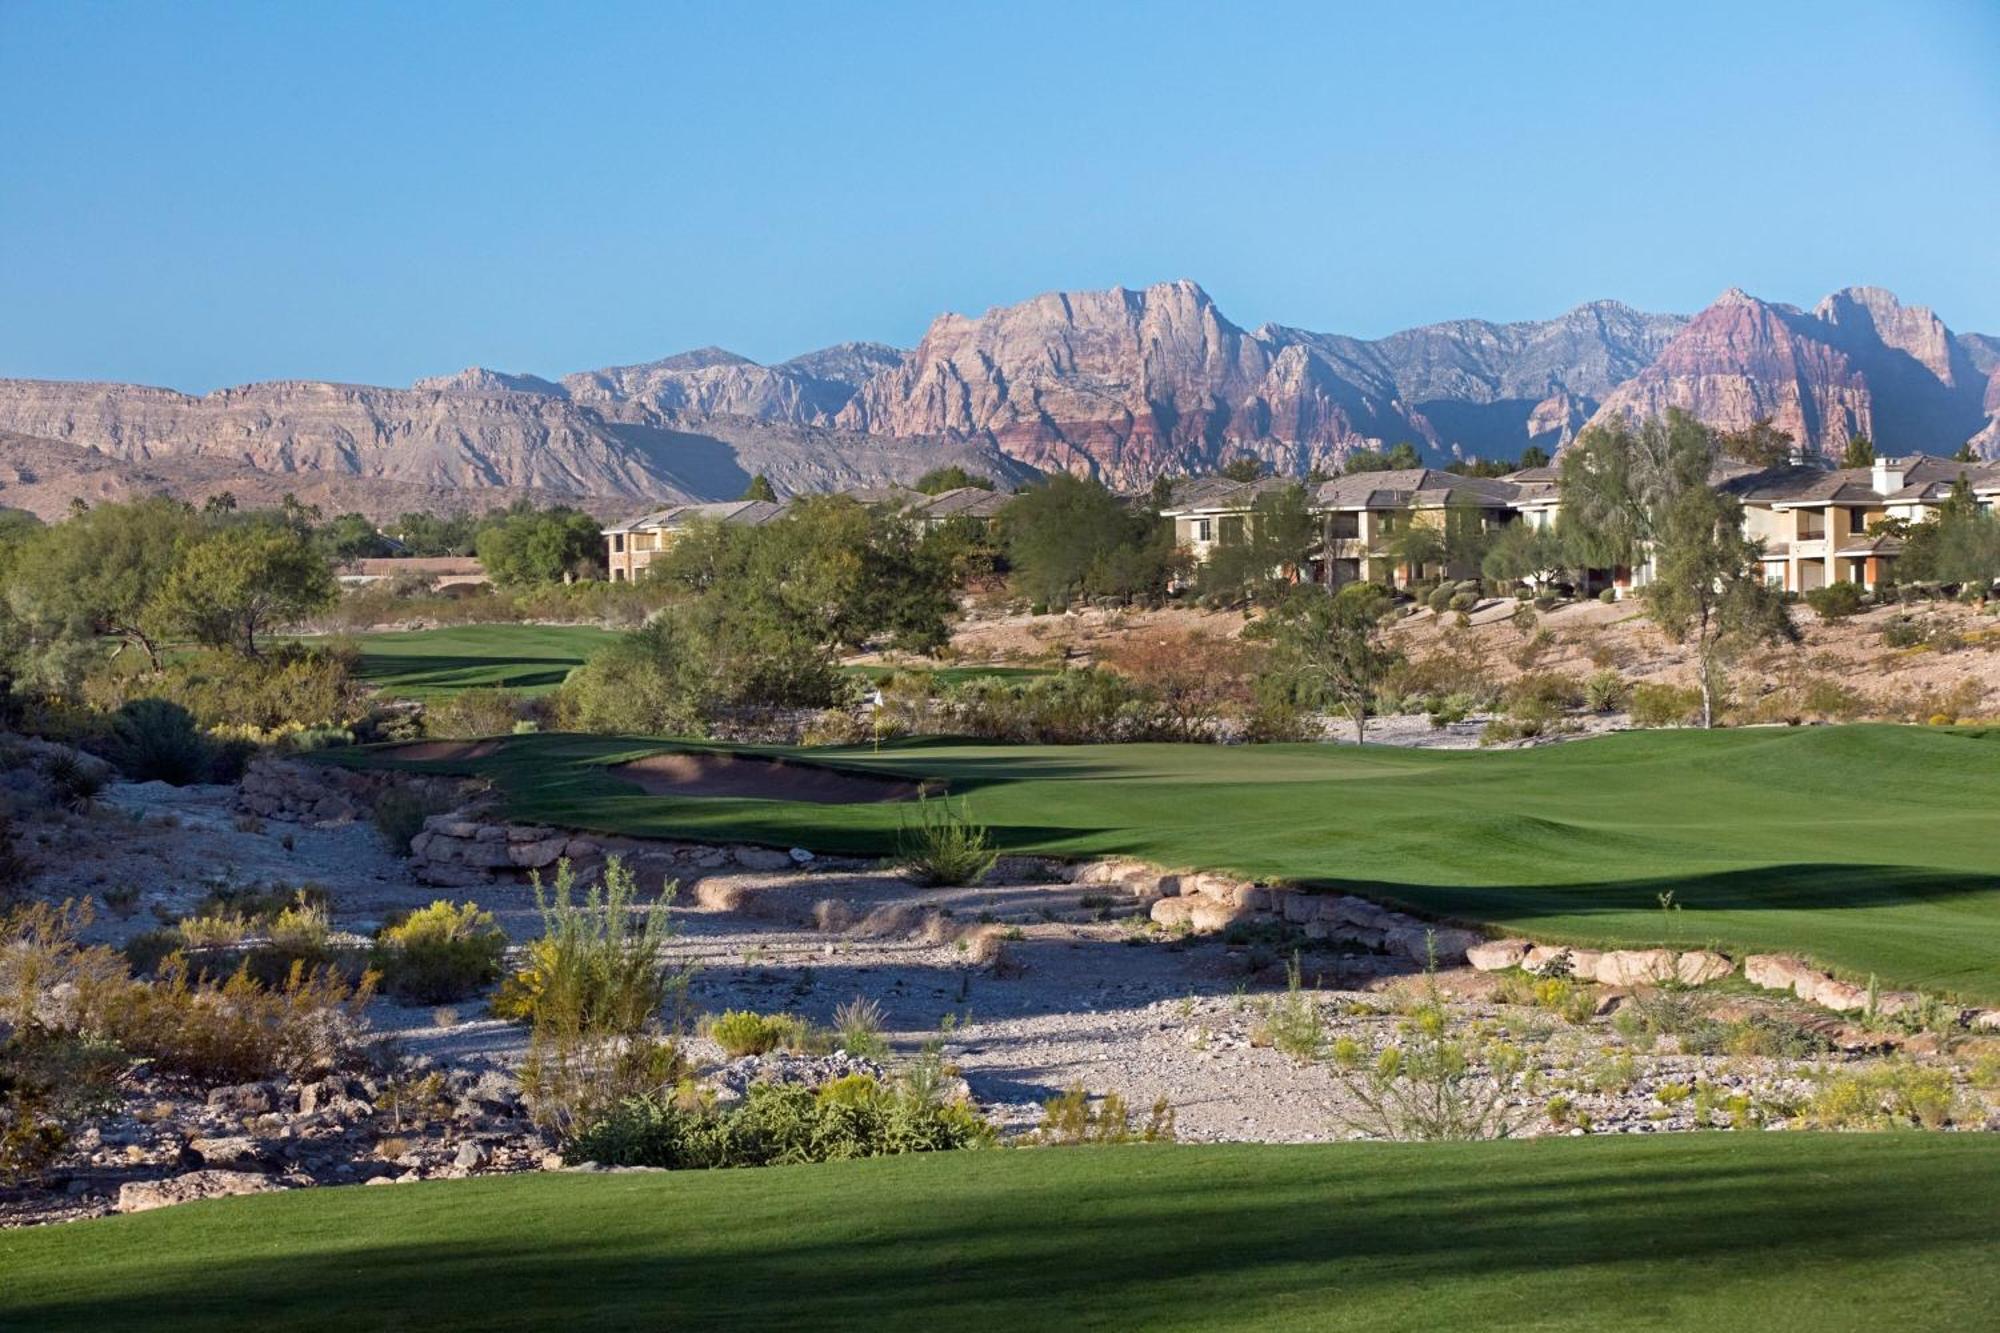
201 195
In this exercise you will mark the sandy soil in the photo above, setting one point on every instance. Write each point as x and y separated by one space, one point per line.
765 779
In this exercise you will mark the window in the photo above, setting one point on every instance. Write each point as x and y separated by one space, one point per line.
617 543
1344 526
1203 530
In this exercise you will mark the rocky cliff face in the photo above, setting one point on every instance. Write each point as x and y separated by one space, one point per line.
1126 385
1860 363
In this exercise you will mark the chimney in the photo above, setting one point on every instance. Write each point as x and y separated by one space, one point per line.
1888 475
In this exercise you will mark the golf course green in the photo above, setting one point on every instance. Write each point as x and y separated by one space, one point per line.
1873 849
1751 1231
427 663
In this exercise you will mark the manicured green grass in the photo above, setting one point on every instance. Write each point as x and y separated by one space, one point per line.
1872 848
530 659
1754 1231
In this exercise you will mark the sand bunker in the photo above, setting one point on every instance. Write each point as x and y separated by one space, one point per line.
762 779
445 752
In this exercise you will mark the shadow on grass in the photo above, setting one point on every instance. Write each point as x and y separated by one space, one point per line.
1356 1237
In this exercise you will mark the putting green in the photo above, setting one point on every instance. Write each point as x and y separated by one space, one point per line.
1875 849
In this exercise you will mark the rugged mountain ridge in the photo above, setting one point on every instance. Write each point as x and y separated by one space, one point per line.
1124 384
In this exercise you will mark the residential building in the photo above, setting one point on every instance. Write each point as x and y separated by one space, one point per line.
632 545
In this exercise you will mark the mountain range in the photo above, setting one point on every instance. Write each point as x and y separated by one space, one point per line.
1127 385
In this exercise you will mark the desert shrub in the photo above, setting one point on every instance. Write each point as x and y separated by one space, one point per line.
1604 691
777 1124
1524 619
73 780
1292 1023
836 726
1194 682
288 688
1075 1118
399 816
1903 632
1430 1084
472 713
1549 690
14 867
237 1029
1458 665
1887 1095
743 1032
440 953
593 992
1463 601
1078 707
633 688
1656 705
50 1082
1439 598
944 846
154 740
1835 601
858 1024
1609 596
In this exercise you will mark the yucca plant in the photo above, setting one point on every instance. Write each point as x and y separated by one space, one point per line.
943 846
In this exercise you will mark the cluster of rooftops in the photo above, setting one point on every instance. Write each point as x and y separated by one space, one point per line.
1813 521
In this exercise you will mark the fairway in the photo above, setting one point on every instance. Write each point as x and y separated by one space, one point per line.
529 659
1874 849
1753 1231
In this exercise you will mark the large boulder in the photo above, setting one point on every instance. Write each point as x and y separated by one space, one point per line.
1774 971
1497 955
139 1196
1635 967
1698 967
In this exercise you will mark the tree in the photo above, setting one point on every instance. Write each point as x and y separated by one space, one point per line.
1959 544
347 537
97 574
1534 456
951 477
1965 454
1399 457
1628 492
1761 445
1069 537
1243 467
1860 452
525 545
1524 553
1328 649
1267 549
435 534
222 502
239 581
760 488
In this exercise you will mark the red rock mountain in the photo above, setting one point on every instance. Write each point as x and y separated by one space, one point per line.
1859 363
1127 385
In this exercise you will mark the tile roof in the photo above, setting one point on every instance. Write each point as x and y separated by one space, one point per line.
964 502
722 511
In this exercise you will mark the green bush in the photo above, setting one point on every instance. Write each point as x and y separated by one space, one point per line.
399 817
1085 706
440 953
1074 1118
471 714
945 846
1903 632
153 740
1655 705
779 1124
1463 601
288 688
50 1083
1835 601
742 1032
1439 598
1604 691
1609 596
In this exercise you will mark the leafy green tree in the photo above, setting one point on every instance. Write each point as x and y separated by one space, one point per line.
242 580
760 488
1399 457
1761 445
1266 550
1965 454
222 502
1960 544
1328 649
436 534
524 546
1534 456
1650 491
951 477
1069 537
1860 452
1524 553
347 537
97 574
1244 467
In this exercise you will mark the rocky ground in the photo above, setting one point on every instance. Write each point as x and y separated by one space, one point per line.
1030 986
